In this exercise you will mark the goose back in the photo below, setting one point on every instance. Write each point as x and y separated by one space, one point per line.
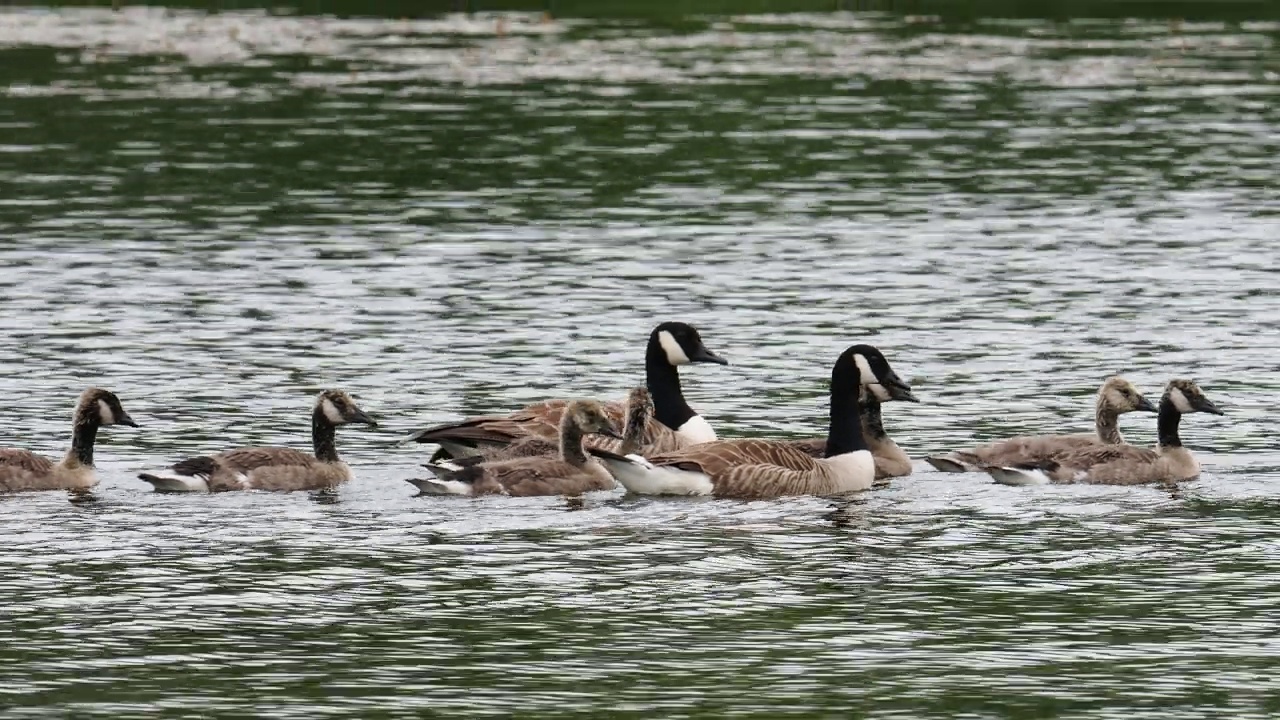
1116 396
675 425
1123 464
772 468
272 468
571 471
22 470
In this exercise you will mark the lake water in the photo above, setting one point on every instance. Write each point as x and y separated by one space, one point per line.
218 215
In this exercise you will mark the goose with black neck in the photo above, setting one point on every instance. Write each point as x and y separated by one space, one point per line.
753 468
1122 464
272 468
670 345
22 470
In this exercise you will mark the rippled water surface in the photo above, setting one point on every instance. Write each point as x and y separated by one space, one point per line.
218 215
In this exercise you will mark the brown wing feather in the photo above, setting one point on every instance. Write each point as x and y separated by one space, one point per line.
530 477
718 457
748 481
1084 458
25 460
891 461
316 476
1119 465
538 420
245 460
522 448
1025 449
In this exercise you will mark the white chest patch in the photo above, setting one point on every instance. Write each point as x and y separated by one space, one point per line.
696 430
1180 401
331 411
853 471
104 413
675 354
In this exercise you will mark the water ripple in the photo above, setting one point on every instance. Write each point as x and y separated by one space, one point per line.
459 215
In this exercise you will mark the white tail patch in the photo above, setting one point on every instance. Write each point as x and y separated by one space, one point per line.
675 354
331 412
1180 401
864 370
642 478
1016 476
696 430
105 414
177 484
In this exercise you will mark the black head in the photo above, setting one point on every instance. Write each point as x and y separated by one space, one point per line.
1187 397
874 374
682 345
339 409
101 407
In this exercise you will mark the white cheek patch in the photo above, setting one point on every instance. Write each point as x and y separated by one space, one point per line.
864 369
675 353
1180 401
331 412
879 392
104 413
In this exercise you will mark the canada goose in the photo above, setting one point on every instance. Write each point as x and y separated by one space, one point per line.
24 470
570 472
1122 464
772 468
273 468
671 345
1116 396
891 461
639 411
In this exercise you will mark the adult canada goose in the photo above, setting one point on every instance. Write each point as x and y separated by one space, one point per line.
1122 464
638 414
1116 397
24 470
671 345
570 472
273 468
772 468
891 461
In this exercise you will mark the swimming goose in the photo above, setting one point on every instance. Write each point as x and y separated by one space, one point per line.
273 468
1121 464
24 470
772 468
639 411
569 472
1116 397
891 461
671 345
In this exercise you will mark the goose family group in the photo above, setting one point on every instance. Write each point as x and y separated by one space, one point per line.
653 443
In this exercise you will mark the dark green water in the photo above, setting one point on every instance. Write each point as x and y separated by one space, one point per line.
217 215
